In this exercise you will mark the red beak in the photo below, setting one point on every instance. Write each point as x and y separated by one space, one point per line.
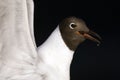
91 36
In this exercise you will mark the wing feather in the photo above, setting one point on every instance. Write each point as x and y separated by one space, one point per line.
18 55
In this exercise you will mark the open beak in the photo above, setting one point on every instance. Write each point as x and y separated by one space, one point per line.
91 36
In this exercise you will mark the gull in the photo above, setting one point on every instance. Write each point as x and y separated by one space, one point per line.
20 59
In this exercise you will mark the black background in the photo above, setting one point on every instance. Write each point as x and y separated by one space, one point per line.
103 17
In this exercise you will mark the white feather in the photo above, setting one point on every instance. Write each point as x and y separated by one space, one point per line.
19 59
56 56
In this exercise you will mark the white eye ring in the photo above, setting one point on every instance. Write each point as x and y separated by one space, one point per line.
71 25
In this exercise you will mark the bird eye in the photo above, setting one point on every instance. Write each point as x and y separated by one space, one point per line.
72 25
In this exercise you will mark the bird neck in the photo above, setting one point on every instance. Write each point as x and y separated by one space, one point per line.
55 54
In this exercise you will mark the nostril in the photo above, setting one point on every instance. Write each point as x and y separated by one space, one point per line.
81 32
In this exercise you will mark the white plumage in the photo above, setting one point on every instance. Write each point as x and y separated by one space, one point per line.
19 57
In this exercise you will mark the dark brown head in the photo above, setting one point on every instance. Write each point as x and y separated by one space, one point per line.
74 31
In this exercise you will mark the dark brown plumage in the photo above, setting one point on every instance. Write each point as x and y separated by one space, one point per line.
74 31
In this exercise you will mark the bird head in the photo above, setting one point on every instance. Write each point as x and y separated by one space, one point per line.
74 31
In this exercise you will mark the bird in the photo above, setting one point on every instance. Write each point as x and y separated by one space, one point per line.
21 59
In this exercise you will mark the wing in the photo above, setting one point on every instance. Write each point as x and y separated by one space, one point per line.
18 55
30 12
